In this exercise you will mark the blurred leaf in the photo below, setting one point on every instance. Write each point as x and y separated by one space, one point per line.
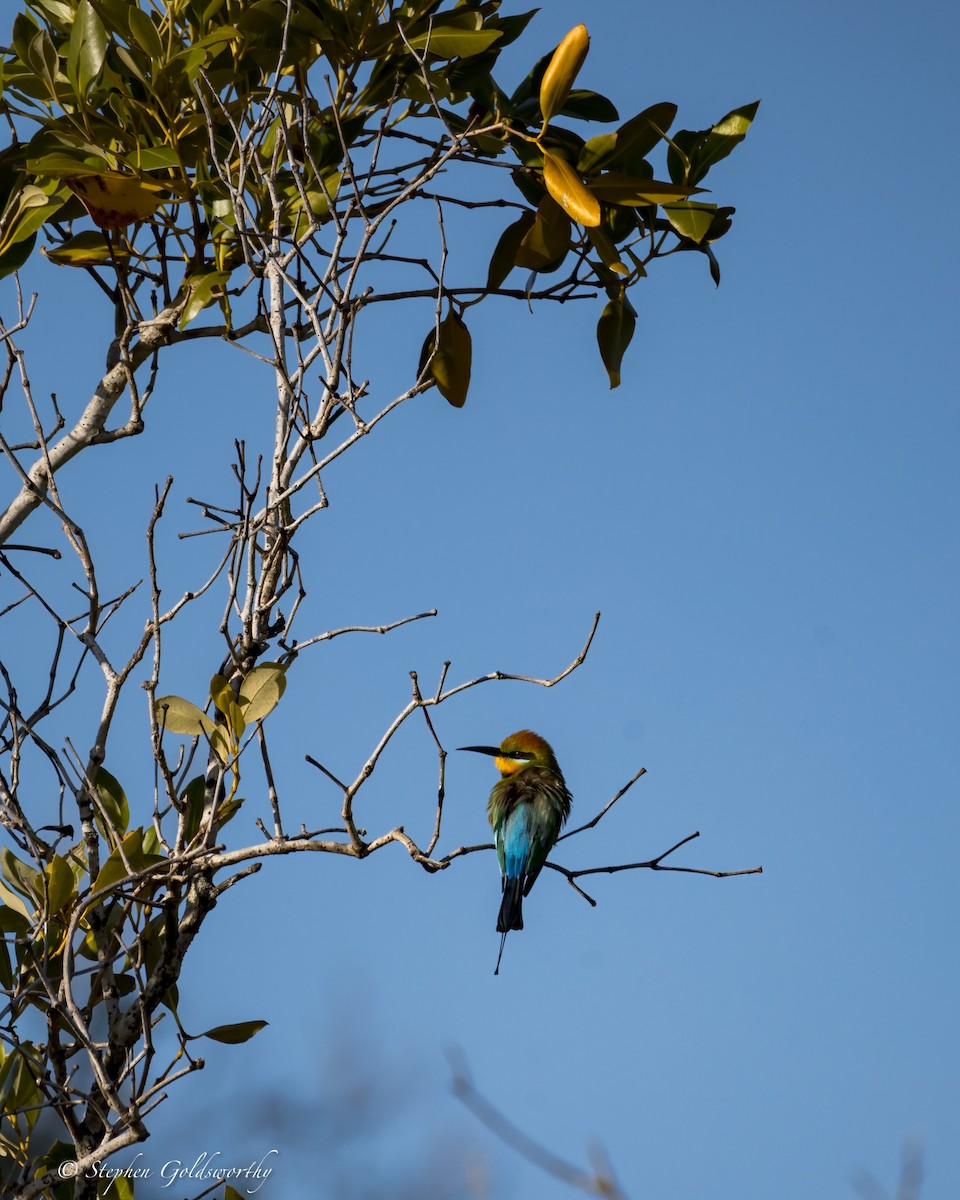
504 257
452 359
562 71
690 219
176 715
260 692
566 187
233 1035
614 333
13 913
61 885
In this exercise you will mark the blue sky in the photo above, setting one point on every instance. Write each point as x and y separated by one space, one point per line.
766 515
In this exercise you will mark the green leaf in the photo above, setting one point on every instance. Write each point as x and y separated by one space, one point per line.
61 885
614 332
113 800
638 136
588 106
87 249
596 153
13 258
152 158
13 913
452 357
233 1035
128 857
690 219
723 137
206 288
446 41
145 33
547 241
194 797
504 257
22 879
634 192
87 48
602 243
176 715
260 692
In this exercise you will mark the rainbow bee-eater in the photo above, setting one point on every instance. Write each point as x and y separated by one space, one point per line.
527 808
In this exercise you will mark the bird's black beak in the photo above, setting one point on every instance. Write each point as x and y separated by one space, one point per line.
493 751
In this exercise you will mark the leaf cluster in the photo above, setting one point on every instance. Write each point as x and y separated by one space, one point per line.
153 139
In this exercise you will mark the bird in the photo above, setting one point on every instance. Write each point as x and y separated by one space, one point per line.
527 809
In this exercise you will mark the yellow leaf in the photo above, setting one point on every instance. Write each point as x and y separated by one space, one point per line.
114 200
567 188
562 71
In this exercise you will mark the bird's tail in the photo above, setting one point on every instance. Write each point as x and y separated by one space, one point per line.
511 907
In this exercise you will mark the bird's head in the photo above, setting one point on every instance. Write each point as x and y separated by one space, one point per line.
519 751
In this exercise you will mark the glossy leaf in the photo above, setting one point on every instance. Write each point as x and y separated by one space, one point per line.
145 33
588 106
260 692
614 333
690 219
87 48
566 187
562 71
233 1035
596 153
724 137
638 136
628 189
449 42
